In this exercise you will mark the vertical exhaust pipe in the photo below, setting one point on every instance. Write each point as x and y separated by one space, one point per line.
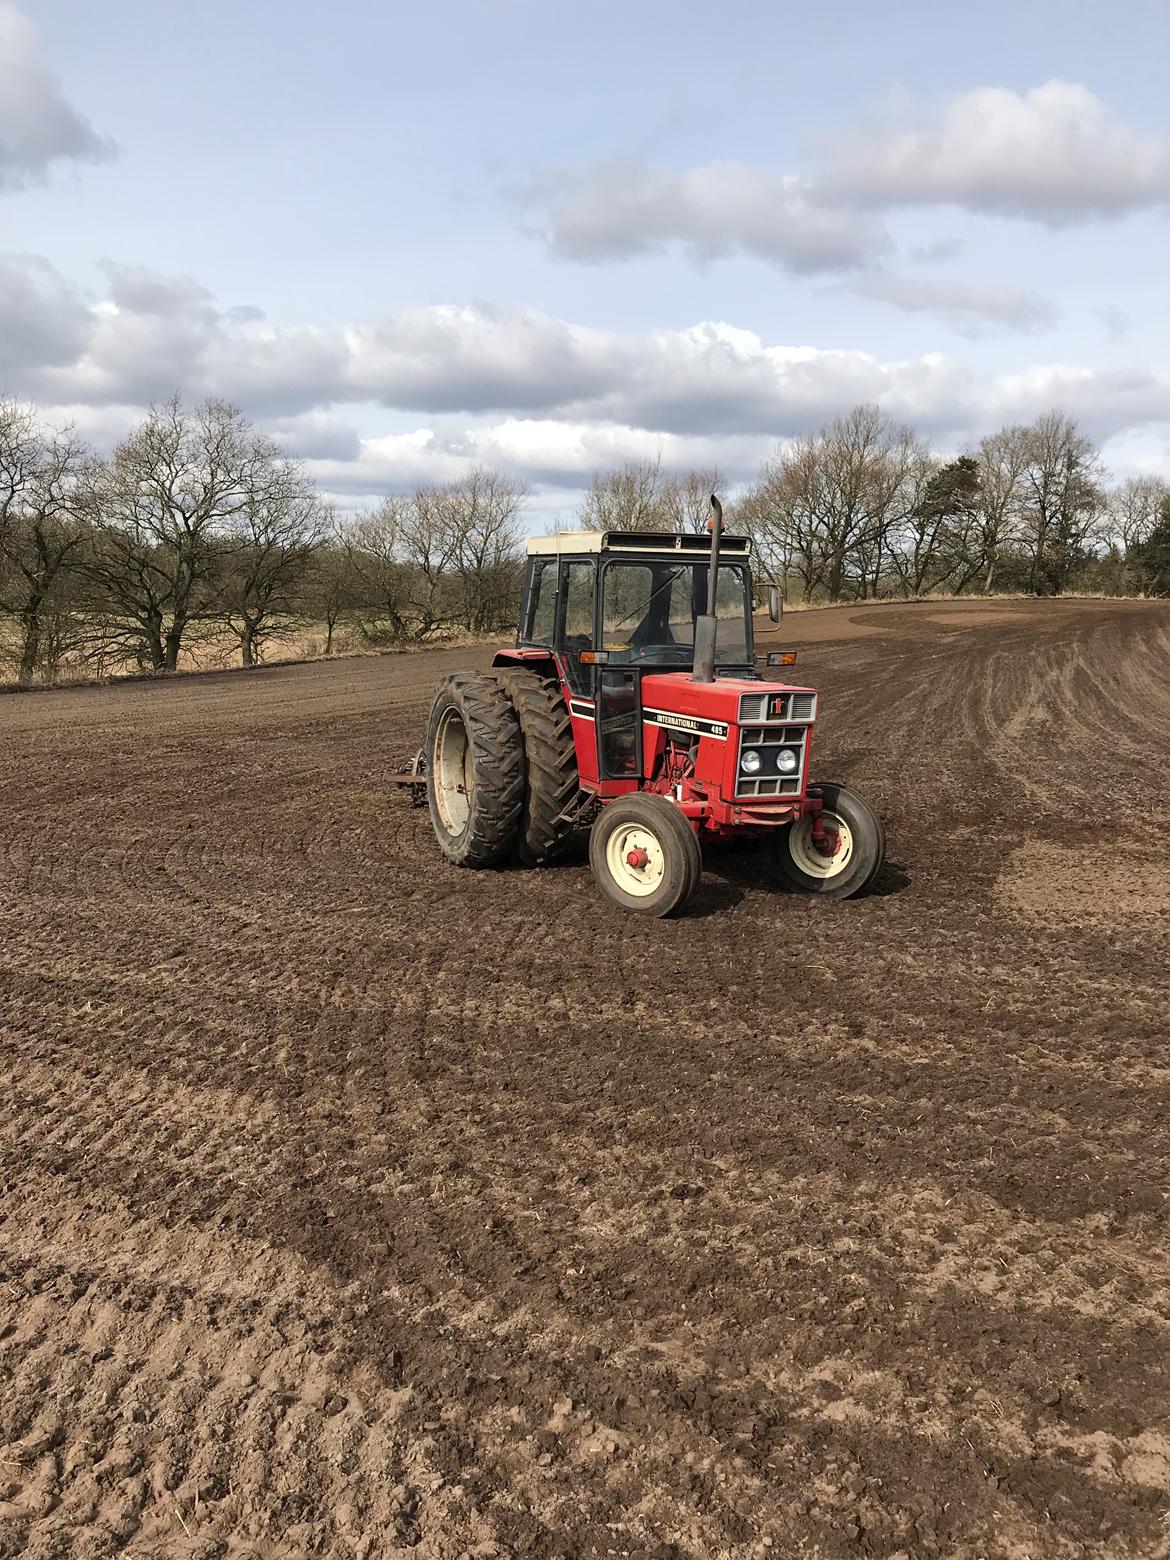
705 626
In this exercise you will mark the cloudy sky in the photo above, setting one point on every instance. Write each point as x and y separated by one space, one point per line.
550 235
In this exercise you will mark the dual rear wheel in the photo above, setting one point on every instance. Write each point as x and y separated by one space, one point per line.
501 769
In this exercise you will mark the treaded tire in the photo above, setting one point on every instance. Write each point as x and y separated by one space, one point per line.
629 820
867 846
475 770
551 761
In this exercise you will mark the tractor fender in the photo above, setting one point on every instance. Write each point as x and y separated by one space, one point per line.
528 658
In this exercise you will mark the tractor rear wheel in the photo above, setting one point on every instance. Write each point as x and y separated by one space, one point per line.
644 854
475 770
551 759
857 846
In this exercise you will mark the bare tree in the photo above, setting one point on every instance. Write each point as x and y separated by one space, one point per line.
627 498
169 500
777 512
882 468
640 496
19 446
45 481
686 499
827 505
332 588
917 542
378 579
430 543
1134 508
482 513
267 561
402 555
1003 459
1063 501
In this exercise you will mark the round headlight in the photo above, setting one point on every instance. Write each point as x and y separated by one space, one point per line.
787 762
750 762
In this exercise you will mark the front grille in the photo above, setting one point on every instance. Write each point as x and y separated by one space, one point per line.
768 785
766 740
777 706
768 721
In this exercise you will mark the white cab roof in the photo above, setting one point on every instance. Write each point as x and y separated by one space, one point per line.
696 545
567 542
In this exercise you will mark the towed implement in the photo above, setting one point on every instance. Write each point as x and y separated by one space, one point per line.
631 705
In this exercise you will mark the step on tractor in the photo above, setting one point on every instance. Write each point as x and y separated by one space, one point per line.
631 705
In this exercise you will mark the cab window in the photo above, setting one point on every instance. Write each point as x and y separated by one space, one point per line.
649 611
542 603
577 629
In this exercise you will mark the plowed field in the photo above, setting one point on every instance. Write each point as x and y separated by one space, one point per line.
356 1206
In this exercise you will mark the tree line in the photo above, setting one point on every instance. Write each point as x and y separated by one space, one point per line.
199 530
864 509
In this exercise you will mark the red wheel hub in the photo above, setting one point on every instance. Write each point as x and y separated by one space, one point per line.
825 841
637 858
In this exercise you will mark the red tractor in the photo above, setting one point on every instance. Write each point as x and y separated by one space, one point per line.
631 705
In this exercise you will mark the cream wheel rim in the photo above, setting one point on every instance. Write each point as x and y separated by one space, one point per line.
639 876
452 770
812 862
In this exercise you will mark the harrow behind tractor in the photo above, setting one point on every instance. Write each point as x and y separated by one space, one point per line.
631 705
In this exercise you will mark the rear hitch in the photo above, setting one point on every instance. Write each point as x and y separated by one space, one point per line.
414 779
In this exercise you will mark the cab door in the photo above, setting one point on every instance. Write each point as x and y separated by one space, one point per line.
575 622
619 722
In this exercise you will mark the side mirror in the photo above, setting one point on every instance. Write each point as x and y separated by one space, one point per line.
775 603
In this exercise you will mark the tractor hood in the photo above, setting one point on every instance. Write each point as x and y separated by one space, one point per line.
680 694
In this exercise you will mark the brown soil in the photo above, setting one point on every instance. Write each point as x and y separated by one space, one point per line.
357 1206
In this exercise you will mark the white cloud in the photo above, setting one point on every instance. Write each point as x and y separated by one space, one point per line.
38 127
478 359
1108 401
554 456
971 308
1054 155
616 210
937 250
316 436
134 289
44 319
549 399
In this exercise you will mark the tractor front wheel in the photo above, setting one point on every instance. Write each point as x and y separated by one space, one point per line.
849 854
644 854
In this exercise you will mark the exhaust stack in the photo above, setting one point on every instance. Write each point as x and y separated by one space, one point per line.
705 626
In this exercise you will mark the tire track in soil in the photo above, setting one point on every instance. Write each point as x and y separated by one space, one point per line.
865 1397
842 1231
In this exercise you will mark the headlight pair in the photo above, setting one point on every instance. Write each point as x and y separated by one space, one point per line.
787 761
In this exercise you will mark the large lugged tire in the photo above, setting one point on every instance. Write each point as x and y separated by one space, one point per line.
551 760
644 854
475 770
856 862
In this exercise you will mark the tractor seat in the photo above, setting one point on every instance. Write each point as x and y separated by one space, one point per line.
645 635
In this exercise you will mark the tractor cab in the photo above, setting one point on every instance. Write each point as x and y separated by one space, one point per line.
615 607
